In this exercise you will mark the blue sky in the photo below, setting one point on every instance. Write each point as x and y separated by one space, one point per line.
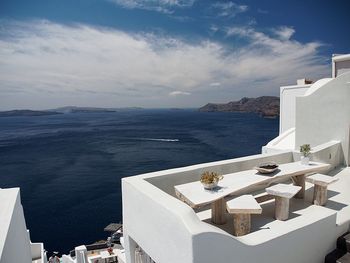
165 53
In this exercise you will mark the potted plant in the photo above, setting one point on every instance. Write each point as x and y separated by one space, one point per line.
305 151
210 180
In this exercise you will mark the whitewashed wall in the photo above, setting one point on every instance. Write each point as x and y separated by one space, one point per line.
162 225
324 115
169 231
36 250
342 67
329 152
17 244
167 179
317 238
287 105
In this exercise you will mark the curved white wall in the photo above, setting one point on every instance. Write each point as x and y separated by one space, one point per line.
324 115
164 226
288 248
169 231
153 225
318 84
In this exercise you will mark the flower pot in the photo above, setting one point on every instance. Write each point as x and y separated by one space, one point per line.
210 186
305 160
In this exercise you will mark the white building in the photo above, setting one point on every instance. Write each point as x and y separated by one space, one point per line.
15 244
170 231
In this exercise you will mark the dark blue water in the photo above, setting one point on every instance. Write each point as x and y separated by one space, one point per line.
69 166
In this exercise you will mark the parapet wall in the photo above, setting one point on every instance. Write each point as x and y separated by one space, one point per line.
329 152
164 226
166 180
169 231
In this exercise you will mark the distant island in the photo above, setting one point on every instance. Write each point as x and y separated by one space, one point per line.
62 110
75 109
266 106
14 113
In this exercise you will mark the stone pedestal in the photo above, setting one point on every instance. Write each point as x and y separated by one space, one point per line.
299 180
241 208
321 183
218 211
283 193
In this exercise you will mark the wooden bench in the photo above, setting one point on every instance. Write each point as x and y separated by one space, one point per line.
321 183
241 208
282 193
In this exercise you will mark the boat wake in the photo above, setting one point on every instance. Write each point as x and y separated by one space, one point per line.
158 140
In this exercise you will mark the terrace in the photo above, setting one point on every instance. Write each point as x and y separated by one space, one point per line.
156 190
173 223
302 212
95 253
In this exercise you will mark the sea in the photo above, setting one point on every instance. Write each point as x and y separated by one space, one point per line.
69 166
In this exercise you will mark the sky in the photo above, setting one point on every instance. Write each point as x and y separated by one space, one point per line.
164 53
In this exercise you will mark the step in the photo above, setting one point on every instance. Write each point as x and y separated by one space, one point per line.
344 259
343 242
347 238
334 256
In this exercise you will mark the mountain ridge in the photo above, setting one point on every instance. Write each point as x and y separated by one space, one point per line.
61 110
266 106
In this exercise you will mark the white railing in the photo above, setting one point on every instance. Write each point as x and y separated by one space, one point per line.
167 179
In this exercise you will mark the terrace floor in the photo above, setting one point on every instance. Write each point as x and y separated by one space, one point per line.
302 212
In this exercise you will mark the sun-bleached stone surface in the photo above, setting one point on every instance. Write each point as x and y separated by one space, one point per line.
283 190
244 204
321 179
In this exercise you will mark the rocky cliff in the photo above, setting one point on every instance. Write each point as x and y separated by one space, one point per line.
266 106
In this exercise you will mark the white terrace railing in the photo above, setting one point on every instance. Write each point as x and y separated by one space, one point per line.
165 180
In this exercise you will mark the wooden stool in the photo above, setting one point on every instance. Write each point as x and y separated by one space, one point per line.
321 183
241 208
282 193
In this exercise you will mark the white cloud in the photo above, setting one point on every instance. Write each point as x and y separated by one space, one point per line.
229 9
214 28
284 32
163 6
44 65
178 92
278 58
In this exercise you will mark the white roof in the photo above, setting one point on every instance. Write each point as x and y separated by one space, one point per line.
343 57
